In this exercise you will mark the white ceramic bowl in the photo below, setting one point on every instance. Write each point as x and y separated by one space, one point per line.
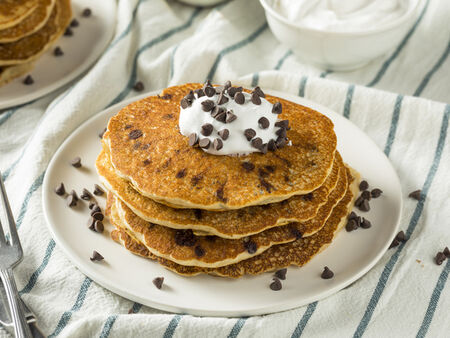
202 3
339 50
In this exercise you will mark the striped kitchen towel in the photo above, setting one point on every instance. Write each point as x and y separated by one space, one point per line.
400 100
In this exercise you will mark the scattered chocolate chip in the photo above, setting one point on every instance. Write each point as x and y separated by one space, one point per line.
281 133
185 237
276 284
98 216
365 224
224 133
256 142
199 251
76 162
366 195
250 246
351 225
181 173
255 99
297 233
227 85
269 187
71 201
208 105
280 142
446 252
217 144
98 191
239 98
86 195
60 190
184 103
230 117
207 129
277 108
308 197
221 117
28 80
91 223
394 243
138 86
363 185
352 215
95 209
233 90
158 282
327 273
92 205
204 143
96 256
99 227
401 236
58 51
74 23
281 274
248 166
220 194
190 96
216 111
249 133
440 258
271 145
264 147
222 98
102 133
359 201
375 193
263 122
364 206
135 134
86 12
209 91
415 195
258 91
68 32
200 92
193 139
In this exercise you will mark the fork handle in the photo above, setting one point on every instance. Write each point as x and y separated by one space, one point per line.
21 328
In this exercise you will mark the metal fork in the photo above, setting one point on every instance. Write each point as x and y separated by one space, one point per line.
10 255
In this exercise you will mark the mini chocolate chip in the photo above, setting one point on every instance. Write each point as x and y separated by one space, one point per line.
269 187
230 117
394 243
270 168
239 98
68 32
277 108
415 195
281 274
359 201
281 133
440 258
276 284
446 252
258 91
86 195
295 232
96 256
375 193
98 191
74 23
58 51
204 143
271 145
401 236
327 273
264 147
207 129
199 251
248 166
91 223
181 173
262 173
76 162
216 111
249 133
102 133
99 227
86 12
233 90
135 134
256 143
193 139
263 122
224 133
92 205
308 197
366 195
208 105
209 91
282 124
351 225
352 215
190 96
71 201
220 194
138 86
98 216
185 238
363 185
364 206
365 224
28 80
158 282
250 246
280 142
221 117
222 98
74 194
200 92
227 85
217 144
60 190
255 99
185 103
95 209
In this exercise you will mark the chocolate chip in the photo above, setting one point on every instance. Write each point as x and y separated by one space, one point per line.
248 166
204 143
295 232
263 122
91 223
269 187
209 91
200 92
401 236
262 173
281 274
74 23
394 243
185 103
281 133
233 90
96 256
158 282
216 111
95 209
440 258
76 162
359 201
99 227
181 173
102 133
276 285
415 195
98 191
363 185
190 96
86 195
446 252
207 129
220 194
270 168
255 99
224 133
327 273
375 193
258 91
98 216
239 98
222 98
365 224
71 201
366 195
351 225
135 134
227 85
217 144
256 142
271 145
193 139
92 205
249 133
250 246
199 251
221 117
86 12
28 80
198 214
138 86
58 51
277 108
280 142
60 190
364 206
208 105
185 237
68 32
230 117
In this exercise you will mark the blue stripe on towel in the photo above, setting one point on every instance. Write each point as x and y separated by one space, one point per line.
172 326
237 328
348 100
302 86
394 123
281 61
304 320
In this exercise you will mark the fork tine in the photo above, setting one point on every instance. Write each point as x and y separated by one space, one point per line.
9 216
2 235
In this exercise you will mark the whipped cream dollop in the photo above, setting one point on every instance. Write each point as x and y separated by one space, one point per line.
342 15
227 121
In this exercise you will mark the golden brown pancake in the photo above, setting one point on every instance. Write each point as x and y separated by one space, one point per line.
162 166
9 73
14 11
31 47
296 253
226 224
35 21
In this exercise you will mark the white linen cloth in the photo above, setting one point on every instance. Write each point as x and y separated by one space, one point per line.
165 43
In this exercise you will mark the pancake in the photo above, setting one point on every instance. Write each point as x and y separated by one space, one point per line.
296 253
14 11
35 21
154 160
161 241
9 73
32 46
226 224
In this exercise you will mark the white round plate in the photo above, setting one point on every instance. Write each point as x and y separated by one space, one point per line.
81 50
131 276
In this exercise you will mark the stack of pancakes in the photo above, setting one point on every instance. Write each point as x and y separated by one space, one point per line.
195 212
27 29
